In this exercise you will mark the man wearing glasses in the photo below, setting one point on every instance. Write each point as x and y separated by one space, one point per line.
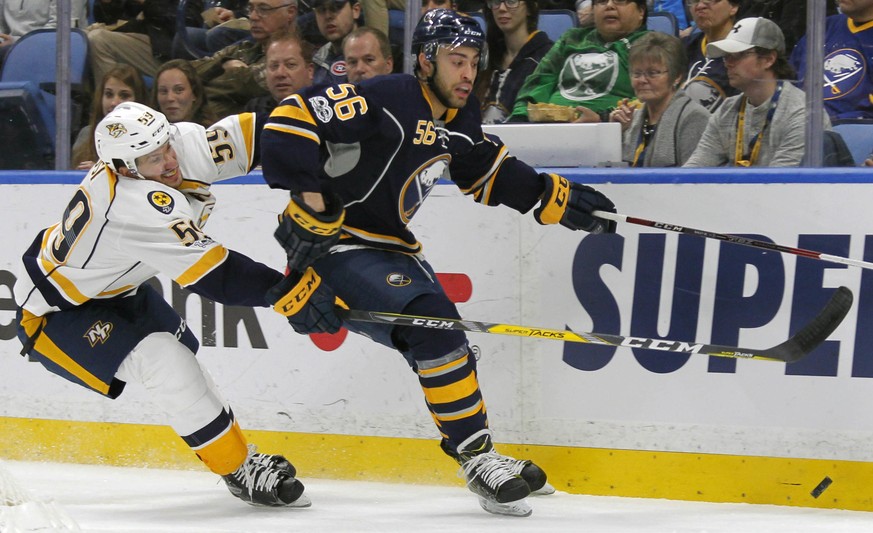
588 68
236 74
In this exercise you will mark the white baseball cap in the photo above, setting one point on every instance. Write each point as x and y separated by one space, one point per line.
749 33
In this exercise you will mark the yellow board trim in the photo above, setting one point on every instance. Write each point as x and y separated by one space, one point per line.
625 473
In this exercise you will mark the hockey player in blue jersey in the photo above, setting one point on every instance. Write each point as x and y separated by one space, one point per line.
359 161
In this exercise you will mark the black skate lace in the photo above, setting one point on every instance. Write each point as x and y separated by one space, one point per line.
491 468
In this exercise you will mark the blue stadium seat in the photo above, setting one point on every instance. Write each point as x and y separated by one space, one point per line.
664 22
30 68
480 18
858 134
556 21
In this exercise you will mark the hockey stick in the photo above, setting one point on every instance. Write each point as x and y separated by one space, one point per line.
736 239
804 341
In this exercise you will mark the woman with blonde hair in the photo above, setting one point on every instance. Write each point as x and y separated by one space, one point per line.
122 83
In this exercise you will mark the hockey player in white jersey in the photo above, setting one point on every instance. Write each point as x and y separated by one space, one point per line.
86 313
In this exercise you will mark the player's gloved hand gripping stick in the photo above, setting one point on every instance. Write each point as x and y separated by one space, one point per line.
307 303
573 205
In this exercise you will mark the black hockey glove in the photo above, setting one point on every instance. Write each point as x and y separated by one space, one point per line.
306 235
571 204
306 302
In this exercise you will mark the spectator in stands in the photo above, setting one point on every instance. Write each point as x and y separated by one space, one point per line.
427 5
335 19
289 69
848 59
763 125
665 129
585 13
515 48
178 93
375 12
368 54
789 15
235 75
587 68
225 22
19 18
122 83
144 42
707 81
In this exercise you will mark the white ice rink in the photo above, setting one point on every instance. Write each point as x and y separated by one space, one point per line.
121 500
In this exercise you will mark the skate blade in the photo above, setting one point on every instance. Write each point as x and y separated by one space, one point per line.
302 501
545 490
516 508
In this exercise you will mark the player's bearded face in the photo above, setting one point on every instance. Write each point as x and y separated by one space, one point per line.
161 166
455 74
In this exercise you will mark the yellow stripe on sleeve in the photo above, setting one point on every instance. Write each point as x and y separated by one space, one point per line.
203 266
247 127
294 131
294 113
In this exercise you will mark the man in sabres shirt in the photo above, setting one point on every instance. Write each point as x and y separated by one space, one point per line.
848 59
372 153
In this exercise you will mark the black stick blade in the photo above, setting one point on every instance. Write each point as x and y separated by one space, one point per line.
816 331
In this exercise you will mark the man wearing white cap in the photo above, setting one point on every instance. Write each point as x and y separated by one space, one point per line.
764 124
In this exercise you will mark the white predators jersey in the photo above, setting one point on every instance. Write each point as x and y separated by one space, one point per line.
118 232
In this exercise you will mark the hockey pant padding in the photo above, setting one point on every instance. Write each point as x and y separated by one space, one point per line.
446 370
184 390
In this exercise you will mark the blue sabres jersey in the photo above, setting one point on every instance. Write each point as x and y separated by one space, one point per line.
848 51
377 146
707 81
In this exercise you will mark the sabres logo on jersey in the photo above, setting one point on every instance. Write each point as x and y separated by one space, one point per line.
398 280
116 130
589 75
161 201
419 185
99 332
843 72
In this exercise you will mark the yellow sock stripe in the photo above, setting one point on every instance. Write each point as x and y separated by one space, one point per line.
453 391
443 369
225 453
458 415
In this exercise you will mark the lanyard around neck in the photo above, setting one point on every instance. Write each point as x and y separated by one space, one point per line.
739 153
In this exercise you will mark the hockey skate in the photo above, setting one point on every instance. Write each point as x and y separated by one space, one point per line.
528 470
267 480
491 477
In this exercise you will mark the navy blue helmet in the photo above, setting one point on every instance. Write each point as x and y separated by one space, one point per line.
446 27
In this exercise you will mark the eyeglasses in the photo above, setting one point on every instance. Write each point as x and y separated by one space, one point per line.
494 4
263 9
614 2
648 74
707 3
733 58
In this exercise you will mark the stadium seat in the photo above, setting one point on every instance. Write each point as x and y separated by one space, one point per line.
858 135
556 21
32 59
664 22
27 128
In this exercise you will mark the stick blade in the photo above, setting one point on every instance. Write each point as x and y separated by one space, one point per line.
813 334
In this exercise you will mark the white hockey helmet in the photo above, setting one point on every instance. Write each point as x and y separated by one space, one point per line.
129 131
